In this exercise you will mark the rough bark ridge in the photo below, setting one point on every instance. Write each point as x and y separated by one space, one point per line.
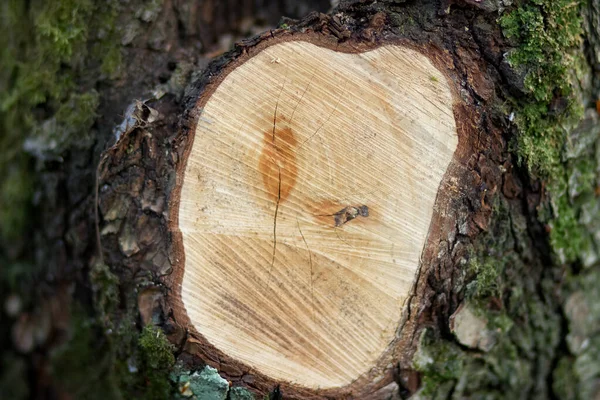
493 260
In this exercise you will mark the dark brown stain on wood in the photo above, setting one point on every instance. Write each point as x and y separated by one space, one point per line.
277 163
323 210
349 213
334 214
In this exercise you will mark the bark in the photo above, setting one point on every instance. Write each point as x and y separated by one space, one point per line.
103 258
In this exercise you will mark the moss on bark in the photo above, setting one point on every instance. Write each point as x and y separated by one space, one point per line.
548 38
47 49
523 323
525 300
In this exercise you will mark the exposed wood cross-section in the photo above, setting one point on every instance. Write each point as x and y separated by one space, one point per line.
306 202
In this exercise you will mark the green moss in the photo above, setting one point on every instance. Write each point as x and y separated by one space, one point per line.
156 349
567 236
111 61
510 292
45 52
490 256
106 292
15 199
156 353
85 104
451 372
500 374
545 30
55 48
486 273
140 363
67 129
113 356
563 378
544 33
46 108
440 361
81 365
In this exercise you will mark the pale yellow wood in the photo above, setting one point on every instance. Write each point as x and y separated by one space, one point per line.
269 278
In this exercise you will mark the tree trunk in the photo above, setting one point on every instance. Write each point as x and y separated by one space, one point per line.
125 123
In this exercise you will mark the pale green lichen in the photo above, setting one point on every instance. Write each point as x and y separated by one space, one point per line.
206 384
240 393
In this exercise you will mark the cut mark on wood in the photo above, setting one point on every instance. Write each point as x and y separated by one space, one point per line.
350 211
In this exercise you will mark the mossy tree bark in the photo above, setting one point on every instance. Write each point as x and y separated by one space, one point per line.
505 302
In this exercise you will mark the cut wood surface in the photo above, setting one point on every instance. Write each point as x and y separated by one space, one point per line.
306 202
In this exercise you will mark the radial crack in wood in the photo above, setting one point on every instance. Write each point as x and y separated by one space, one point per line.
306 202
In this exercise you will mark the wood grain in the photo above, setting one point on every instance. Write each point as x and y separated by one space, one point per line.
306 203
